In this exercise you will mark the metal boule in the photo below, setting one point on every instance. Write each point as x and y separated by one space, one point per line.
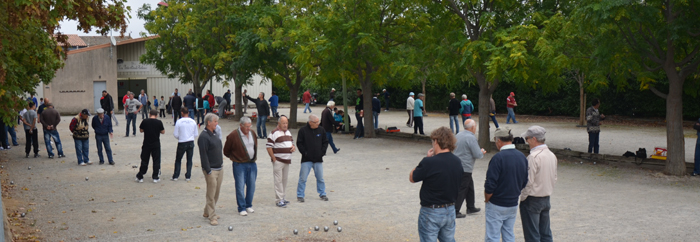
86 178
3 167
325 229
335 222
24 214
230 228
29 168
316 228
296 231
12 182
340 229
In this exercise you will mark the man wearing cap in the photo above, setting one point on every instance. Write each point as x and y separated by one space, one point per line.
506 177
386 99
510 104
410 102
542 175
468 151
81 135
103 132
418 114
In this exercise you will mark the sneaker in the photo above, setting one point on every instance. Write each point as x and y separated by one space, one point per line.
1 148
243 213
139 180
36 156
82 164
474 210
695 174
250 210
173 179
51 157
324 198
8 148
461 215
102 163
214 222
61 156
286 202
300 199
111 163
282 204
156 180
187 180
89 162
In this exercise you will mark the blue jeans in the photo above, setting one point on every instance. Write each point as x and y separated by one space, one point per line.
376 119
307 107
103 139
511 115
181 149
500 222
200 115
454 123
13 134
329 136
304 173
697 155
82 149
534 213
593 142
191 113
245 174
48 134
130 119
261 125
437 224
274 111
493 118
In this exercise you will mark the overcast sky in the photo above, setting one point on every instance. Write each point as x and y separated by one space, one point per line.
135 25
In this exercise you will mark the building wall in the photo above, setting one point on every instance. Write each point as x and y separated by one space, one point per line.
71 90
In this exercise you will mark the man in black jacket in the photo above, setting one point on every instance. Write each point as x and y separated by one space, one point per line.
190 103
454 108
327 121
359 113
107 104
175 105
263 113
312 144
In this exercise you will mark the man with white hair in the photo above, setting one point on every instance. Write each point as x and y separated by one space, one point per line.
534 198
209 144
312 146
328 123
280 146
468 151
241 147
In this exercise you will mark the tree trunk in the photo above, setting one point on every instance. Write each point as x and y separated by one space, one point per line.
484 103
675 141
367 96
425 97
293 102
238 92
582 101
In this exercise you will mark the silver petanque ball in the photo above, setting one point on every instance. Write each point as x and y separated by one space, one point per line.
29 168
86 178
340 229
24 214
230 228
316 228
335 222
296 231
325 229
12 182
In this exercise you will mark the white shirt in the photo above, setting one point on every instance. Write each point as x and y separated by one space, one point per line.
185 130
249 142
409 103
542 173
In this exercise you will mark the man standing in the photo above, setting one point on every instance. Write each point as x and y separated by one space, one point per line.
505 179
454 107
209 97
466 107
510 104
274 103
185 132
107 104
418 115
50 118
376 108
593 118
41 109
152 129
81 135
440 173
492 110
143 98
312 145
359 113
263 113
386 99
126 108
190 102
696 171
332 94
280 146
468 151
306 97
245 101
410 102
162 107
542 175
155 103
241 147
328 123
209 144
227 97
175 106
30 131
103 132
133 107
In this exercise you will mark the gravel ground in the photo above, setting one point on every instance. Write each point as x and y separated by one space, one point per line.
367 184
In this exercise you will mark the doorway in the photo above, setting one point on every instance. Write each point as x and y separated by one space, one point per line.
97 88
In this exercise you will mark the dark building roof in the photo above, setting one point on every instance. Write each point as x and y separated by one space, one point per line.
100 40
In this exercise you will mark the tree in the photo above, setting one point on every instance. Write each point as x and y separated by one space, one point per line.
30 50
660 37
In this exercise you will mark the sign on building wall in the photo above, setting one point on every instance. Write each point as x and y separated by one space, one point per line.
133 66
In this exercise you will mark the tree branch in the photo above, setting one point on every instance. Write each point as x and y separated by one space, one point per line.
651 69
689 57
689 69
658 93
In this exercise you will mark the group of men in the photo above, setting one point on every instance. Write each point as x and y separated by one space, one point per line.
511 180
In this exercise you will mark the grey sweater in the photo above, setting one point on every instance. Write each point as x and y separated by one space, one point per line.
468 150
210 151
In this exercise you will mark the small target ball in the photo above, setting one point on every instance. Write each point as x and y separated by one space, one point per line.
12 182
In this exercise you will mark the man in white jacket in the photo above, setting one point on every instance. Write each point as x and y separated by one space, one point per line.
534 198
409 108
185 132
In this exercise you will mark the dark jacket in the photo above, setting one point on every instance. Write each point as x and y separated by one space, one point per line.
227 97
50 117
376 105
235 149
360 103
103 128
176 103
261 105
312 144
274 101
454 107
506 177
210 150
107 103
190 101
327 120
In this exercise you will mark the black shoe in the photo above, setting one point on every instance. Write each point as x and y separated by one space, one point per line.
36 156
111 163
102 162
61 156
336 151
300 199
324 198
474 210
28 157
460 215
51 157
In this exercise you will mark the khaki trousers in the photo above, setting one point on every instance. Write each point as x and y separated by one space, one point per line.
213 187
280 171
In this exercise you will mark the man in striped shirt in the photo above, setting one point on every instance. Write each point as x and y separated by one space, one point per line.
280 146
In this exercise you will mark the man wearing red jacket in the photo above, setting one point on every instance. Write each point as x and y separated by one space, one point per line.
307 100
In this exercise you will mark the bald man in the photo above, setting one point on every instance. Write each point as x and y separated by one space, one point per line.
468 151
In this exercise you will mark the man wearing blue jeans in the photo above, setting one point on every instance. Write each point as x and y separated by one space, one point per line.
328 123
263 112
441 174
312 144
696 171
80 126
133 107
376 108
241 147
50 118
103 132
510 104
593 118
454 108
505 179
